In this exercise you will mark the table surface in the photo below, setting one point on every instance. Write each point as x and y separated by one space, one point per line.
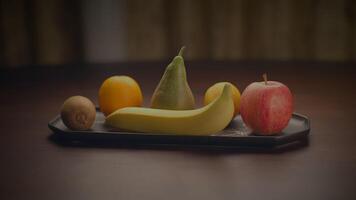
34 167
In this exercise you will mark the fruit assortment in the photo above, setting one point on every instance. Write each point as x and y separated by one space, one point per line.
266 107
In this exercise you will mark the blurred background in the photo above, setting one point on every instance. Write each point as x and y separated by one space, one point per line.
97 31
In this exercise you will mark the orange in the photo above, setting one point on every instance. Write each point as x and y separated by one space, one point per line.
214 91
118 92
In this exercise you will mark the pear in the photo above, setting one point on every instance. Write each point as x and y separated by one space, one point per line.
173 91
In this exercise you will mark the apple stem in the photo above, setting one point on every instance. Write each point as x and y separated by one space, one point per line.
265 78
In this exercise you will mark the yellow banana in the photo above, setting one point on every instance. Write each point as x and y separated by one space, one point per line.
203 121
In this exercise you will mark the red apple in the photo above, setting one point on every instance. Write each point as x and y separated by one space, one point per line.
266 107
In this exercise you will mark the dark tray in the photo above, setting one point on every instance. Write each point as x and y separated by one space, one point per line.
236 135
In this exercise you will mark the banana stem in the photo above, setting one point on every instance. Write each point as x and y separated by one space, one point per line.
265 78
181 51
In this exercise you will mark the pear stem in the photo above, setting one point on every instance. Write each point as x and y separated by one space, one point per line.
265 78
181 51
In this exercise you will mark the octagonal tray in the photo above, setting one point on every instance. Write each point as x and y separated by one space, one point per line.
236 135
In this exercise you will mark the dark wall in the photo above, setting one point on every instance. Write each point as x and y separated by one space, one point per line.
69 31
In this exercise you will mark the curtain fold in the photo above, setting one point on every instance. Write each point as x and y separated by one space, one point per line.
87 31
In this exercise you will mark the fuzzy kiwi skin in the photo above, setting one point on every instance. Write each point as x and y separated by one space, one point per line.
78 113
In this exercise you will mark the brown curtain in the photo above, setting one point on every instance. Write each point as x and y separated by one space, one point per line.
74 31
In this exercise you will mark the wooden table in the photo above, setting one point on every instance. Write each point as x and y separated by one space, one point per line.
34 167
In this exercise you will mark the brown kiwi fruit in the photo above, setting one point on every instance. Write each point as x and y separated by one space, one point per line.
78 113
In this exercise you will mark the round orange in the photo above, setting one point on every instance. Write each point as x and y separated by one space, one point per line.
118 92
214 91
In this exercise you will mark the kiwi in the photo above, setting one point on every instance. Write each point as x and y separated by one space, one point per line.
78 113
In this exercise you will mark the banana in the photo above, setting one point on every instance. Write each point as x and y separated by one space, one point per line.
203 121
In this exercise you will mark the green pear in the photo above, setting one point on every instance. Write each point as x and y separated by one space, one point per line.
173 91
